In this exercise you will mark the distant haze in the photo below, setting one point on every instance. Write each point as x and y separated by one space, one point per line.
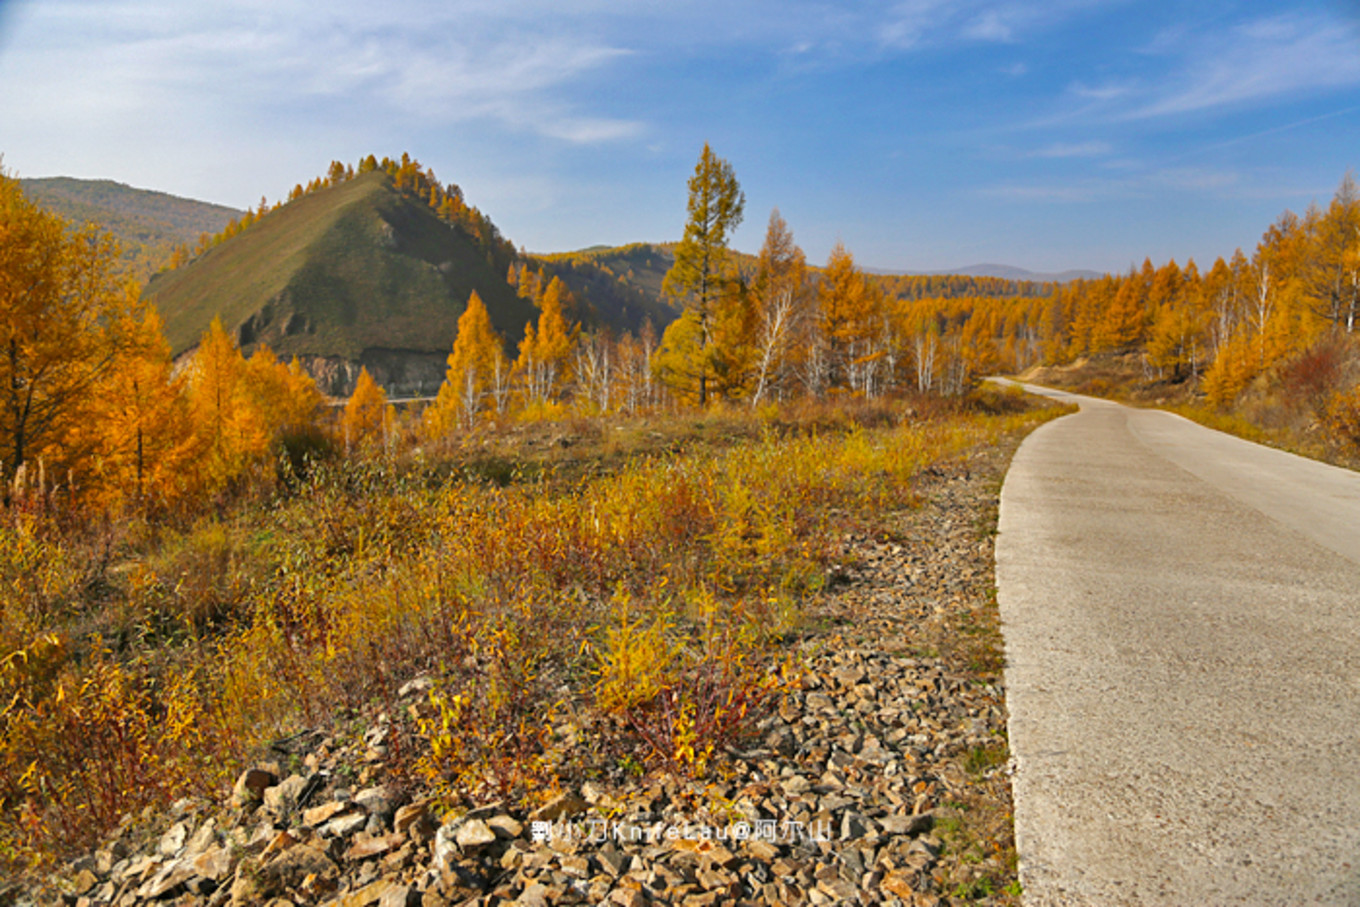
1006 272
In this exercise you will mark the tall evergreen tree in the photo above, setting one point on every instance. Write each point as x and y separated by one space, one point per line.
716 205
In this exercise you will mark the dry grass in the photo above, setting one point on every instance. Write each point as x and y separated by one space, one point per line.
640 574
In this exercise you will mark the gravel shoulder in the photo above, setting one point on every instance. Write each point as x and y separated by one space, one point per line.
880 778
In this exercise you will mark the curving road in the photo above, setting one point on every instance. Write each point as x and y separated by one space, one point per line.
1181 612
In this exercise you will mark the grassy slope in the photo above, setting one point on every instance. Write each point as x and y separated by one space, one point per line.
148 225
359 265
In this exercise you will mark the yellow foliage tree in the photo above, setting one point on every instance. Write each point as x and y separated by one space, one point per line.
226 420
779 295
366 421
285 396
545 354
477 359
700 271
1121 323
60 315
852 320
147 443
1231 371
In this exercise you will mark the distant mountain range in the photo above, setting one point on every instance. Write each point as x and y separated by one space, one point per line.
147 224
1006 272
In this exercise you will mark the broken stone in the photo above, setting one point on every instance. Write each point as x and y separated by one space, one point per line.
472 834
251 785
283 796
563 806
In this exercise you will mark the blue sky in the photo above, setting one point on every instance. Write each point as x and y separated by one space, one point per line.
923 134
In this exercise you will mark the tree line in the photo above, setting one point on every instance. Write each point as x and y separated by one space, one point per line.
92 406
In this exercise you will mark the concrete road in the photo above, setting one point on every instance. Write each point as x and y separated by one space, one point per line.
1181 612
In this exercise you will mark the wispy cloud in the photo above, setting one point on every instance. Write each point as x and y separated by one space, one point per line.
1107 92
913 23
1195 179
1072 149
446 67
1132 183
1064 192
908 24
991 25
1264 59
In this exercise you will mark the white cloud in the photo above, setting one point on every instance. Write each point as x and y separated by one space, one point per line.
1136 182
989 26
913 23
1072 149
1065 192
1195 179
1257 61
908 23
1106 92
443 64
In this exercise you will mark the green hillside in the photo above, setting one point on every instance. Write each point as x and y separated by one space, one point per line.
619 287
352 272
148 225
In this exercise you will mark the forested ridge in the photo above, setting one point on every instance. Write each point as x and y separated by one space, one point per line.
148 226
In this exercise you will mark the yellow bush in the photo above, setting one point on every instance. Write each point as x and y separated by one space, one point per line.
1343 416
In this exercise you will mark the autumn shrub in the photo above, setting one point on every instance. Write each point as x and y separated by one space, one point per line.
98 747
997 399
300 450
656 594
1343 417
1312 378
39 573
636 657
491 716
688 689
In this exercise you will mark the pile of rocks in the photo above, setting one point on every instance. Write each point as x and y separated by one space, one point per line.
849 793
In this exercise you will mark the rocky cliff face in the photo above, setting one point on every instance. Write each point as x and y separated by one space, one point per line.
402 373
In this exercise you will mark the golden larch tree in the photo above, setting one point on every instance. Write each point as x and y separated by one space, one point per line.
700 271
852 318
365 421
60 314
543 365
147 442
226 419
471 374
